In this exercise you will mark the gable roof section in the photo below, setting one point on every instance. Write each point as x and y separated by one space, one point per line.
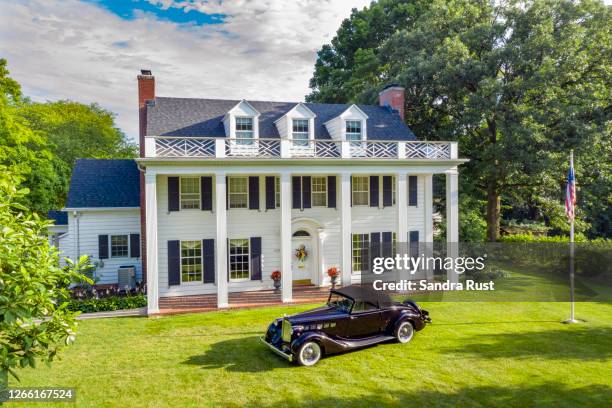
98 183
204 117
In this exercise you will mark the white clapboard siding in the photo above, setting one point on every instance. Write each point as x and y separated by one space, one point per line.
84 236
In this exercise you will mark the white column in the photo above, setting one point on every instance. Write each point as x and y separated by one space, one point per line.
285 237
401 202
151 232
221 255
220 147
452 218
345 228
428 210
428 216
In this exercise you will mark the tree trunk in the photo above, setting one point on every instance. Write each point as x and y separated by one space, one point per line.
493 200
493 207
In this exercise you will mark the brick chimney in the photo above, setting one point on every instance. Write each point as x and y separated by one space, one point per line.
394 97
146 92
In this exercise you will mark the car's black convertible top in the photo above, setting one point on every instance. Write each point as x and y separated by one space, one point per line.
366 294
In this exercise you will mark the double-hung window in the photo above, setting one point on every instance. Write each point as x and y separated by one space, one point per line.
300 132
244 130
119 246
239 259
191 261
361 190
238 192
190 193
319 191
353 132
361 252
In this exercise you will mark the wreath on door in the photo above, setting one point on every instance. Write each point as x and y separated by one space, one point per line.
301 254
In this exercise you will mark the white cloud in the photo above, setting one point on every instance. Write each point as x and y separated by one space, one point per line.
71 50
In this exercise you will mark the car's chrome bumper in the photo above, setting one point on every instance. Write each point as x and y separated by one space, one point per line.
281 353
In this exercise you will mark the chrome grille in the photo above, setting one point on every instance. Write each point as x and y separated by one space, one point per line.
286 331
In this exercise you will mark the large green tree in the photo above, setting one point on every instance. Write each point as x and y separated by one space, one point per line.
42 141
518 83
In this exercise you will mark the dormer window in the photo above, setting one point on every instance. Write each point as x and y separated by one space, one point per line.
353 130
244 130
300 132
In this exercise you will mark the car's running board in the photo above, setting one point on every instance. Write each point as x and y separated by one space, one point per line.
349 344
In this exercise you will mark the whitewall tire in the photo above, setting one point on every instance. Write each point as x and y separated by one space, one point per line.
404 332
309 354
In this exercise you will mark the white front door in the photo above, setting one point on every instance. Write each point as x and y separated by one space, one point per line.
302 269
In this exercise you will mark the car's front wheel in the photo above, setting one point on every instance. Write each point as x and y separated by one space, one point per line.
309 354
404 332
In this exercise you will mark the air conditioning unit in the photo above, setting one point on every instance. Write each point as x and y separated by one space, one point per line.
126 277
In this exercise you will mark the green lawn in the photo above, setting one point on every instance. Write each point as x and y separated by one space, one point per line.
474 354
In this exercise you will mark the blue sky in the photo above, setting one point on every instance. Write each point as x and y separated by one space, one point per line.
91 50
131 9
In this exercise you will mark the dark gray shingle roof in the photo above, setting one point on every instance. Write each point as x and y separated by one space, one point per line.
104 183
204 117
58 217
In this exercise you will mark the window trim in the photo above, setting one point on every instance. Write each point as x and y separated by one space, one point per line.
324 192
365 246
277 192
229 272
307 132
236 132
195 282
229 193
367 190
199 187
346 133
110 246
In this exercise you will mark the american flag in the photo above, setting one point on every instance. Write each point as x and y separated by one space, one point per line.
570 192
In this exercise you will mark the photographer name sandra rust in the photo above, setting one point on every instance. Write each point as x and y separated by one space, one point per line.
423 284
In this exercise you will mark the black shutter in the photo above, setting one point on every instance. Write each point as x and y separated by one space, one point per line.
373 191
255 258
134 245
296 185
227 260
331 191
174 262
102 247
270 192
414 243
208 260
375 245
254 193
387 244
206 193
306 189
412 190
174 202
387 188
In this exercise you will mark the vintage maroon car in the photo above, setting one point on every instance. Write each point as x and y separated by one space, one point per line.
354 317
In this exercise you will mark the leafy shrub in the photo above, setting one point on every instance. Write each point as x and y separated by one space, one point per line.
107 304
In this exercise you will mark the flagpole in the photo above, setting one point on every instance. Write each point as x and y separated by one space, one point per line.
572 318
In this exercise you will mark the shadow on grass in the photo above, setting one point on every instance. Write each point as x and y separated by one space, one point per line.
580 344
543 395
244 354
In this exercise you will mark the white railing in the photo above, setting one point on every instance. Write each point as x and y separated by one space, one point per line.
211 147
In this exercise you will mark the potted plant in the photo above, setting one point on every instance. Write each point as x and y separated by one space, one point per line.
333 273
276 277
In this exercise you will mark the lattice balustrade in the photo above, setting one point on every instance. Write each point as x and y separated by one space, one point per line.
185 147
381 150
427 150
257 148
325 149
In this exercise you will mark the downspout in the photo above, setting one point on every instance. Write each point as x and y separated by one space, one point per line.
78 234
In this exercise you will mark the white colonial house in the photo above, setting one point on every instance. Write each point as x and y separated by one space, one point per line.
229 189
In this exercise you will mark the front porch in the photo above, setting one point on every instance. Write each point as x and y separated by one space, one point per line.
241 300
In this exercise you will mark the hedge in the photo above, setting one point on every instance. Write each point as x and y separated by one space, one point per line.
107 304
